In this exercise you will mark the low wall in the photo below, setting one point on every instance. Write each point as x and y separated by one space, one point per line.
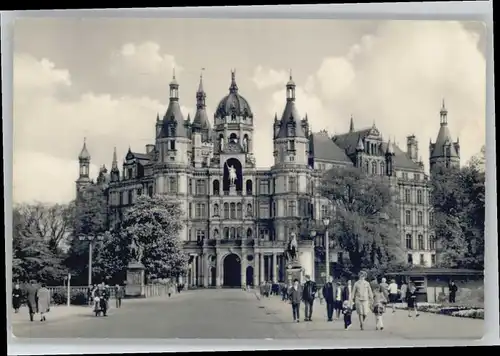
150 290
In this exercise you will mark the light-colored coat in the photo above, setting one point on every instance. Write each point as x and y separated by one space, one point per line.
43 300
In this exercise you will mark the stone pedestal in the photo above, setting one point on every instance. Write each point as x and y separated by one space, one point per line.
294 271
232 189
135 280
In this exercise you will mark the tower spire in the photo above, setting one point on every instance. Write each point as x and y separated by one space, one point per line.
351 125
174 88
234 87
290 89
200 94
444 114
114 164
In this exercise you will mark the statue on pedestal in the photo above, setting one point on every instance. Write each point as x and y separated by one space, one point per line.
136 251
292 249
232 174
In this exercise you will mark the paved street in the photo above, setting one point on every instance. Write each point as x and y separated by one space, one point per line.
228 313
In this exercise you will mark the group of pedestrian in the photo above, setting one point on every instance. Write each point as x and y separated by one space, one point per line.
363 297
37 299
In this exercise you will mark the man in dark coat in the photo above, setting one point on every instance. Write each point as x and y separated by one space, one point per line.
329 295
32 299
308 296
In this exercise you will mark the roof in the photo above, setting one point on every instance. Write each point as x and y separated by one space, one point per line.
84 153
349 141
422 271
290 117
173 118
443 139
233 102
141 157
401 160
323 148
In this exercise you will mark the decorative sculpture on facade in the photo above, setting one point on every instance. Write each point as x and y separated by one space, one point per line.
292 249
136 251
232 174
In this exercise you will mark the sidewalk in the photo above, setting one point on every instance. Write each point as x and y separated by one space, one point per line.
397 325
57 312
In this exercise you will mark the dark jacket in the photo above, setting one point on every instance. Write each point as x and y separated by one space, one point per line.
119 292
329 290
453 289
32 295
17 295
309 291
345 293
295 296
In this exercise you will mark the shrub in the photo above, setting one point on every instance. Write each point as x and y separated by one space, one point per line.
60 297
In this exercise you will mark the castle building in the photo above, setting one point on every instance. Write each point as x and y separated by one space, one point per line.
239 219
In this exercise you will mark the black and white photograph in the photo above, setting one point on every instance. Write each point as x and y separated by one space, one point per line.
196 178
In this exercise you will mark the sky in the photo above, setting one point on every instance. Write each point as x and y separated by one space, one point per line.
106 79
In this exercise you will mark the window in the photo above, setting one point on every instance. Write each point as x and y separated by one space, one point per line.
216 209
291 145
382 169
324 211
432 243
431 218
216 234
171 145
264 187
226 233
172 185
274 212
197 213
232 233
249 187
139 191
416 177
264 211
263 233
190 210
410 259
422 260
200 187
238 211
374 167
433 260
292 158
407 196
408 217
190 186
405 176
130 173
420 240
204 211
200 235
216 187
367 167
292 208
130 196
292 184
420 218
409 242
249 233
249 211
226 210
233 210
419 197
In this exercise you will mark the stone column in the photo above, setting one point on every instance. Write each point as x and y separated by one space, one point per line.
195 270
217 271
262 268
275 268
206 268
243 269
256 270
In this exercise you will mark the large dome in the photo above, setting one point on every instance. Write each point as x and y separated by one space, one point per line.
233 102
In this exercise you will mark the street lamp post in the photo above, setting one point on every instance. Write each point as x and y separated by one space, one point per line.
91 240
326 222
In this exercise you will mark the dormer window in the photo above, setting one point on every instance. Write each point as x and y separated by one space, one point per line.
291 130
171 145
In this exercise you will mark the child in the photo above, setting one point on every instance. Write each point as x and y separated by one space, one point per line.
379 302
347 311
411 300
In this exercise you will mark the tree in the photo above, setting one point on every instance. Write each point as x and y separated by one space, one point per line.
365 222
155 223
32 257
458 199
51 222
89 220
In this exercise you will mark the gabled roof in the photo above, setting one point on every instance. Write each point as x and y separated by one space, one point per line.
143 158
323 148
349 141
443 139
401 160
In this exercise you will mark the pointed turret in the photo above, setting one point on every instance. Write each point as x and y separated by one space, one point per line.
84 153
290 123
389 158
351 125
115 172
173 120
233 88
360 147
84 172
444 150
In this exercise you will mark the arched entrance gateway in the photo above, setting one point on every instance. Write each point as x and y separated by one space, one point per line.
249 276
232 271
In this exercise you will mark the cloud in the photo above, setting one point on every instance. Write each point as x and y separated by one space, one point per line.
266 77
397 78
49 131
40 177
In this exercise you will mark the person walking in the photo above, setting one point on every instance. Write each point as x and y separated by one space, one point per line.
295 296
385 288
453 292
308 295
393 294
119 294
17 295
347 293
328 295
363 296
347 312
43 301
403 292
379 301
32 299
411 300
337 304
171 289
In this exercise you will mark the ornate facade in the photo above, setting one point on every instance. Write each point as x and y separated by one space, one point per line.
238 218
